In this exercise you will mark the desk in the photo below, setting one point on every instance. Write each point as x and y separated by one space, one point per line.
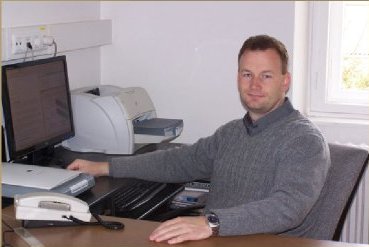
136 234
100 197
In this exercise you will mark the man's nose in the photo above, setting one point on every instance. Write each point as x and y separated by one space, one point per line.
255 82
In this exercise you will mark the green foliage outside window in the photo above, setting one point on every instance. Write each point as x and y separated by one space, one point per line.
355 73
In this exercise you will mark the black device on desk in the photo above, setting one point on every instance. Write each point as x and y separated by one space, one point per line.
36 108
143 199
37 115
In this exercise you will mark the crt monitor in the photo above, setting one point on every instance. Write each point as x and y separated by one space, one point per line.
37 112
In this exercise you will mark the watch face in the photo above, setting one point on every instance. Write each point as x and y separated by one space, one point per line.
213 219
213 222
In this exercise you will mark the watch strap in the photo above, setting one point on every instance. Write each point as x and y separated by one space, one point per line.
213 222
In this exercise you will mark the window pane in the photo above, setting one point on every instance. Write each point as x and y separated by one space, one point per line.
348 49
355 45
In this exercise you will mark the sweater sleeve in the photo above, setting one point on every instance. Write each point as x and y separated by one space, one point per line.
302 168
175 165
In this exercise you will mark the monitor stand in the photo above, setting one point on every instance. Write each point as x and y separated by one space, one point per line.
42 157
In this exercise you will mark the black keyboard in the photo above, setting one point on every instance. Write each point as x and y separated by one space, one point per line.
135 195
141 199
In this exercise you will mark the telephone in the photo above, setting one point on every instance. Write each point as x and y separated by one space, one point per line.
50 206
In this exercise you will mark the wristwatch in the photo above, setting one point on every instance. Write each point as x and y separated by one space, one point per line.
213 222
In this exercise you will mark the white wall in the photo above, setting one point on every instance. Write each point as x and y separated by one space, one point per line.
185 54
83 65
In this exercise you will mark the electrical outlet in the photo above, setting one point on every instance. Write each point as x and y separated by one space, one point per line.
19 44
17 38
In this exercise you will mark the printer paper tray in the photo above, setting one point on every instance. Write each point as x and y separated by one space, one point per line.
158 126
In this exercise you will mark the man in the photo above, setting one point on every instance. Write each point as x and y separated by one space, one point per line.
266 170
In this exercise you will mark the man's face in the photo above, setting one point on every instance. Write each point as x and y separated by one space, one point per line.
261 84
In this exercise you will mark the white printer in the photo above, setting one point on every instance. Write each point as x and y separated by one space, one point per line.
113 120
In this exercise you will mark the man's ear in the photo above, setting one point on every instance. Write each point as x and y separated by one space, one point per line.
287 82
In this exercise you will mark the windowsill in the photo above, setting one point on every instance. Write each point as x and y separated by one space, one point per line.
338 120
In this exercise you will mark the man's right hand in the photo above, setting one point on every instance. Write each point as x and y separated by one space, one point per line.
90 167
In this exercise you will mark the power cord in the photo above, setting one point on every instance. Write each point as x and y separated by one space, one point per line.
55 48
112 225
29 47
47 40
4 243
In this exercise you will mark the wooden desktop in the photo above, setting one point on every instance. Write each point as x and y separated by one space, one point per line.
136 233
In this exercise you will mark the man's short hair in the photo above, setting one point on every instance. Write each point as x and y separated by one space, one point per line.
262 43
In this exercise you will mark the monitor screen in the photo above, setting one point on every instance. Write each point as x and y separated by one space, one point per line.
36 106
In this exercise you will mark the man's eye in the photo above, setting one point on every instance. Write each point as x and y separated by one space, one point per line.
266 76
247 75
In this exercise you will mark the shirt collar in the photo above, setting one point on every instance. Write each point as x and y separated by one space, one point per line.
254 128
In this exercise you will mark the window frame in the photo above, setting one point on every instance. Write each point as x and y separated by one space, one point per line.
320 66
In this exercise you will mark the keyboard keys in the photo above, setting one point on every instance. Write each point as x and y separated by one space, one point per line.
140 192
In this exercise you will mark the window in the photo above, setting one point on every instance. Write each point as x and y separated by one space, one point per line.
339 53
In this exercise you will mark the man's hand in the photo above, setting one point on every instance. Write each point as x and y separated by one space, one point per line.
90 167
182 229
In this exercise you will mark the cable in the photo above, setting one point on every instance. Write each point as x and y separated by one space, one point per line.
25 56
7 225
112 225
49 41
4 243
33 57
55 48
29 47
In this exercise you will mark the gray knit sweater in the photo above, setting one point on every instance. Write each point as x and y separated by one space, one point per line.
265 177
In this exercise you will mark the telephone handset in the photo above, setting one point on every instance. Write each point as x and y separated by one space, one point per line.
47 208
50 206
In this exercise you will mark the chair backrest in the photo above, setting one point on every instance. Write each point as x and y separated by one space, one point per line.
325 220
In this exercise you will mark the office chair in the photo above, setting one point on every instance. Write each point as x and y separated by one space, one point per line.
325 220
